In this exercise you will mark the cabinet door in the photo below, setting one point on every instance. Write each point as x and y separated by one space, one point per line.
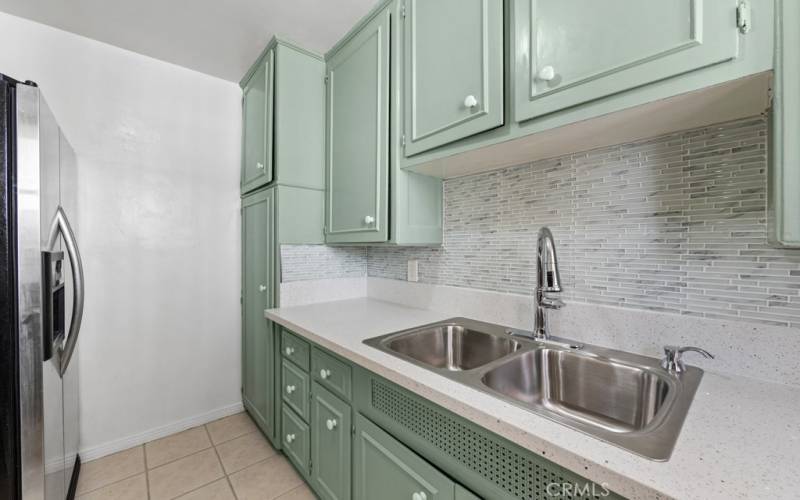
257 137
453 82
381 461
258 341
572 52
357 160
784 159
330 444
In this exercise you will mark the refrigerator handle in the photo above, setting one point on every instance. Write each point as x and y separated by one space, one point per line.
61 226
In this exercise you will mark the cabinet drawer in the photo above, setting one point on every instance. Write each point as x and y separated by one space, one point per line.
296 440
381 460
331 372
295 389
292 347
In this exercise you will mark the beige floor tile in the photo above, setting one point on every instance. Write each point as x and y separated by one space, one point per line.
301 493
110 469
184 475
218 490
265 480
231 427
244 451
170 448
133 488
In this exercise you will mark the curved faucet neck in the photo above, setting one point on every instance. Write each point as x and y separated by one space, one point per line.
548 280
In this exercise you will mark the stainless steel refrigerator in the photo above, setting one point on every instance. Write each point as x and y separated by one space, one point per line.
41 300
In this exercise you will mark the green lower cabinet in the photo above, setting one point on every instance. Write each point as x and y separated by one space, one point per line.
330 444
296 440
383 468
382 441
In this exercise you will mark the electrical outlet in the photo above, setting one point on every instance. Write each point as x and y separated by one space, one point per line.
413 270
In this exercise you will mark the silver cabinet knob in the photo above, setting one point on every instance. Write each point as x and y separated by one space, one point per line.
369 220
324 374
546 74
470 101
289 351
290 389
331 424
290 438
260 166
262 288
420 495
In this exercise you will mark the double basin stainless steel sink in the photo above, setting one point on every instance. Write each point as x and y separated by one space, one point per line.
625 399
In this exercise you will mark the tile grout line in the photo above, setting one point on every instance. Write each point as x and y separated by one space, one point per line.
119 480
185 456
146 471
301 485
224 471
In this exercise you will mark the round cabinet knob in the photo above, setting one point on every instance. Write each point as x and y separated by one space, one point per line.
289 351
324 374
262 288
470 101
546 74
331 424
260 166
290 438
419 496
369 220
290 389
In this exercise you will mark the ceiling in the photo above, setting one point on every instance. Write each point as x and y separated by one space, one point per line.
218 37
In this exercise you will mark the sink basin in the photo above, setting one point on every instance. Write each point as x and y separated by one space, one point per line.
597 391
619 397
451 346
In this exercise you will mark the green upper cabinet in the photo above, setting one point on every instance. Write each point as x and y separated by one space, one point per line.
258 289
569 53
257 101
453 74
358 137
784 171
369 197
283 110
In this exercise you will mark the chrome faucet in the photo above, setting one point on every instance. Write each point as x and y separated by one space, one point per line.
548 281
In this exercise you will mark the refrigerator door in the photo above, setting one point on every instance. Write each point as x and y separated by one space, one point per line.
53 396
69 368
29 295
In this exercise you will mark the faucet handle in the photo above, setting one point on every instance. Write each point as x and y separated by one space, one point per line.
551 302
673 359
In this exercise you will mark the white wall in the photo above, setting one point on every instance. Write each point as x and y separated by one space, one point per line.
158 164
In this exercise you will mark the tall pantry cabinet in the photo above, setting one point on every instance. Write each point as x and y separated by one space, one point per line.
283 192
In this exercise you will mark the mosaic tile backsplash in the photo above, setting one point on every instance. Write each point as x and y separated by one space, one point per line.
673 224
311 262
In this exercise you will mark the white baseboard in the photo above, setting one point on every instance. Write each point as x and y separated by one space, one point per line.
121 444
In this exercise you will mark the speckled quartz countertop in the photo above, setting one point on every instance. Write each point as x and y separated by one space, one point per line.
741 438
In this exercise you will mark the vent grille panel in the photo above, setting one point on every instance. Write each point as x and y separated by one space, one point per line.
520 475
